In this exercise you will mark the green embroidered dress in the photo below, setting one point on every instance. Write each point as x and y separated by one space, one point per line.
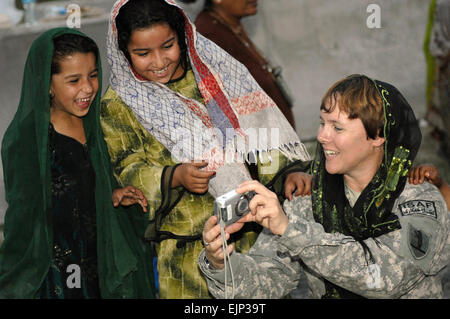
140 160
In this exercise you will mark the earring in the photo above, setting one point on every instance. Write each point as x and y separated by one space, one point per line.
51 95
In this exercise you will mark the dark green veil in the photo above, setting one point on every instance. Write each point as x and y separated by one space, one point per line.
372 215
124 260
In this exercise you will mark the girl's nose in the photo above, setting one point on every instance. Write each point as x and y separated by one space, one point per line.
89 85
158 62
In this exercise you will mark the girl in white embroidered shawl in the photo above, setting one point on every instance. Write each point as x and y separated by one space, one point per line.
191 99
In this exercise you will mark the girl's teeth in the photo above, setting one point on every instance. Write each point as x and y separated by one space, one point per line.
160 72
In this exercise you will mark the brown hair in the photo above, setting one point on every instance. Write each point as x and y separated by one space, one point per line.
359 98
68 44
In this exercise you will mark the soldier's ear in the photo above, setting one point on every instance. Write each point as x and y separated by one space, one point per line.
379 141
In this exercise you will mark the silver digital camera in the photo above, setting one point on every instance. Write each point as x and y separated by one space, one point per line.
232 206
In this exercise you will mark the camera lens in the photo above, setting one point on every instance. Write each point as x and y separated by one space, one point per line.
242 206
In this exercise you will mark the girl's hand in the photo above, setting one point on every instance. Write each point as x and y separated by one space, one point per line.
191 177
299 182
129 196
418 174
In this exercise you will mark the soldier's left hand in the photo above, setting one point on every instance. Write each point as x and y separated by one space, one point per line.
212 240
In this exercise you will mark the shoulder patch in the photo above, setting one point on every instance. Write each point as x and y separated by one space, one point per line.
418 207
418 242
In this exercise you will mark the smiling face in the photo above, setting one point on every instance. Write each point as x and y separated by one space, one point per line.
155 53
347 148
75 86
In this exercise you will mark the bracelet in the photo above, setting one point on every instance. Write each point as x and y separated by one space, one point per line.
209 266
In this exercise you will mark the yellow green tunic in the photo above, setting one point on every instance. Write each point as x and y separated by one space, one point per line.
140 160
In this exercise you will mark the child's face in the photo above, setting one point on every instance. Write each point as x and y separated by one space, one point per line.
75 86
155 53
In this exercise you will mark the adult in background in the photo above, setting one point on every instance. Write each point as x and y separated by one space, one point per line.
220 21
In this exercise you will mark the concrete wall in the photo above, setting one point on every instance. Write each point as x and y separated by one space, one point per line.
320 41
316 41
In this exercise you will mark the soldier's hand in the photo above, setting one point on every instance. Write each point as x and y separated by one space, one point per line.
212 240
265 208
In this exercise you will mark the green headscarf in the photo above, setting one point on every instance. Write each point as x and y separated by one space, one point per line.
124 261
372 215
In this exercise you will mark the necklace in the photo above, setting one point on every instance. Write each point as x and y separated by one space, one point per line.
237 29
242 36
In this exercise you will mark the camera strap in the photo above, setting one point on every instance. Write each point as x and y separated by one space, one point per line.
226 260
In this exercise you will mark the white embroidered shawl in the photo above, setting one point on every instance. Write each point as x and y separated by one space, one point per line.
238 120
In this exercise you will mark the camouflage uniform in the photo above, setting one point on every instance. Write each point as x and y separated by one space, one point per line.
407 260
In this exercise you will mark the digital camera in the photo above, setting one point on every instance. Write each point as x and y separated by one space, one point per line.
232 206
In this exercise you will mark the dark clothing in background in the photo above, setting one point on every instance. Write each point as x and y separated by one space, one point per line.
213 29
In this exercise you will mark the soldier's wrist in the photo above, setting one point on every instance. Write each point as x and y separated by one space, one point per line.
210 265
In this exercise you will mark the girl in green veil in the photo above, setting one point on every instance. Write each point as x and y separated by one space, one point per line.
65 234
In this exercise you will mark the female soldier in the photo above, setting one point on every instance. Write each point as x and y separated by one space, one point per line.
364 232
